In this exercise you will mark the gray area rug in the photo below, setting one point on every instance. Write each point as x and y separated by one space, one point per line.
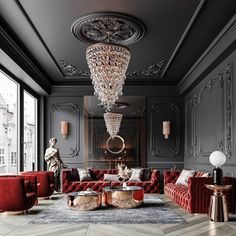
153 211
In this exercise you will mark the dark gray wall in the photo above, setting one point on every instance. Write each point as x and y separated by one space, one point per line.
98 155
210 118
165 153
71 110
210 121
66 103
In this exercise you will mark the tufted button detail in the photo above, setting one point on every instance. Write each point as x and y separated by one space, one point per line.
151 186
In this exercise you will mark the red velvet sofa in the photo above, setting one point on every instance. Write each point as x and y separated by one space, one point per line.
72 184
45 180
195 198
17 193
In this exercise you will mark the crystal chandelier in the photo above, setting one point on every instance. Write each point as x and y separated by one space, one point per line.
112 121
108 64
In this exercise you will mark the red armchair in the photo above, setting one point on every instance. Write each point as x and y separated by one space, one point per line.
195 198
17 193
45 180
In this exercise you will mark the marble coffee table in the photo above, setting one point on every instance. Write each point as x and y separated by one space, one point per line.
123 197
84 200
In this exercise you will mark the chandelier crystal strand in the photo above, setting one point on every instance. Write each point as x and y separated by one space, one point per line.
112 121
108 64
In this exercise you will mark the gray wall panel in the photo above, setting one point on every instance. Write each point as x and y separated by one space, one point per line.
71 110
159 149
210 118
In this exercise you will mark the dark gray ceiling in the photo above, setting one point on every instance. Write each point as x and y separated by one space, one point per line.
177 31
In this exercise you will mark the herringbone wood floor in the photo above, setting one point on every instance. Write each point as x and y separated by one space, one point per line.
197 224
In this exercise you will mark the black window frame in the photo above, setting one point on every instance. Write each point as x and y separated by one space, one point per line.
24 87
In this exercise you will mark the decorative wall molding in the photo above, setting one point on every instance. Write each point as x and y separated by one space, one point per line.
189 120
222 86
228 110
58 112
159 146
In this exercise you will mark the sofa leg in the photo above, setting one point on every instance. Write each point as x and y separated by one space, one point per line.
9 213
43 198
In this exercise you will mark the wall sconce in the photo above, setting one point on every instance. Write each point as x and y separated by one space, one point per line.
64 128
166 129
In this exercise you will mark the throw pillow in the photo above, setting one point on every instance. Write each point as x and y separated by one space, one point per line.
27 186
206 174
74 174
183 178
110 177
84 174
202 174
136 175
146 174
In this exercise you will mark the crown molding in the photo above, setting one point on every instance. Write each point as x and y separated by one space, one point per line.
22 60
226 39
181 41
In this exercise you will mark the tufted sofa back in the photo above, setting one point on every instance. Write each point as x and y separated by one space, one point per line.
97 174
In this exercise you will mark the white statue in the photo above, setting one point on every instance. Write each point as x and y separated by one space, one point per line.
54 162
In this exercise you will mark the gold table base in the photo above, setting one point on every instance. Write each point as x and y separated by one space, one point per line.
218 210
84 202
123 197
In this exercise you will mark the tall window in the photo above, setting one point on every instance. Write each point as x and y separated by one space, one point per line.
2 157
8 122
13 158
30 131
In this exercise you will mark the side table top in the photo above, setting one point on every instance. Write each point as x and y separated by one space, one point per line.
84 193
215 187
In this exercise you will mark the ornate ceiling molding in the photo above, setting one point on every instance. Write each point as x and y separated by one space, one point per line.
72 70
153 71
108 27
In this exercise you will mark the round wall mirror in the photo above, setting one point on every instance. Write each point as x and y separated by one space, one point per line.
115 144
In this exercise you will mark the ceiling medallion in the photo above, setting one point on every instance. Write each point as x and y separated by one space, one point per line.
108 27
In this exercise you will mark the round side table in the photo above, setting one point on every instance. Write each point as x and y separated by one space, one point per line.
218 211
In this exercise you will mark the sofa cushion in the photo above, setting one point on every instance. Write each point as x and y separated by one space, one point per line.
27 186
110 177
136 175
74 174
146 174
202 174
84 174
183 178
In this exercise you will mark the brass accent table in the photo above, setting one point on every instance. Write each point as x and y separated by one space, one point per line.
84 200
218 211
123 197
